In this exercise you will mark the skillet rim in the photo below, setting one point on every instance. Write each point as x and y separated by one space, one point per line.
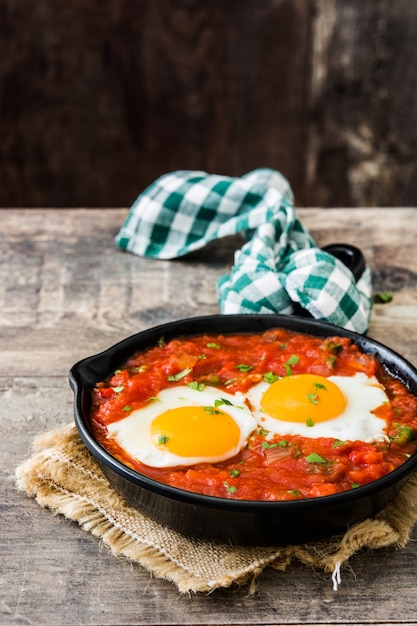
83 374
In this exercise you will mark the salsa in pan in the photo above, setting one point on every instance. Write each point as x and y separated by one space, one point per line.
272 416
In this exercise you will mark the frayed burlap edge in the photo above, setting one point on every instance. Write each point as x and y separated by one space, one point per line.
63 476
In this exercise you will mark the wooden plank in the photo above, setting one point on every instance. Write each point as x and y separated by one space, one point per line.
100 101
66 291
363 125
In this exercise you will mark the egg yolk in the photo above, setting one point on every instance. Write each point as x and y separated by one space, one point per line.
193 431
303 398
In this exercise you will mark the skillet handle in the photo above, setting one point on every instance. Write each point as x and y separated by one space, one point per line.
351 256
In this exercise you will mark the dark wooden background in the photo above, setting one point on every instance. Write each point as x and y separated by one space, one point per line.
98 98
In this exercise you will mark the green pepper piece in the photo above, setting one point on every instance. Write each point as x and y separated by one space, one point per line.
404 435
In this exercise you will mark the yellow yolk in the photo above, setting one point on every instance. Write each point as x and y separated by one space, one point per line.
303 397
192 431
184 426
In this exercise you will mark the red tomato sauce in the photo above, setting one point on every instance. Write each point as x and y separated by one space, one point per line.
268 468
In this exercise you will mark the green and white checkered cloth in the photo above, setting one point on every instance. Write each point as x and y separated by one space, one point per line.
278 265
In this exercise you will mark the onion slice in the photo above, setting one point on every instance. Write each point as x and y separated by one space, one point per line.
277 453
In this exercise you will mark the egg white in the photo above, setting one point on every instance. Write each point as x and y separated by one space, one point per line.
133 433
356 423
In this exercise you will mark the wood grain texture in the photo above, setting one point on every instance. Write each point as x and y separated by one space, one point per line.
107 99
67 292
363 125
61 275
99 99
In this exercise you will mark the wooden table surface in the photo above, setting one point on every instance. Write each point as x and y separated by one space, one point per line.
67 292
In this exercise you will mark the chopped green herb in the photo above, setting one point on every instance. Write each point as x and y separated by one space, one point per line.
229 488
309 422
294 492
270 377
211 410
221 401
212 379
263 432
127 408
229 382
118 389
383 298
278 444
293 360
338 442
234 472
213 345
333 347
331 361
313 397
161 342
180 374
196 385
117 371
315 458
202 356
404 435
267 446
163 439
140 368
355 485
283 346
244 368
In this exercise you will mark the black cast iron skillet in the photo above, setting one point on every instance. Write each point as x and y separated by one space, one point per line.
219 519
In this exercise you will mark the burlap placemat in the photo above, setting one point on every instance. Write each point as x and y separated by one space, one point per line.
63 476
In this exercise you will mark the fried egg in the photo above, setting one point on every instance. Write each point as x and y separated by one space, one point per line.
184 426
313 406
